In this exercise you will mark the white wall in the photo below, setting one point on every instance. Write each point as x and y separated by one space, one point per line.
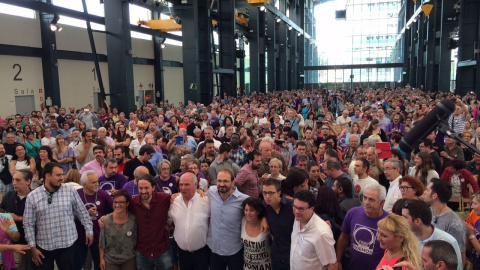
31 81
77 84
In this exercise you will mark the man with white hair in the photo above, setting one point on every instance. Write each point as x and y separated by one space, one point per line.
344 120
208 132
360 229
392 169
191 232
132 129
102 134
98 203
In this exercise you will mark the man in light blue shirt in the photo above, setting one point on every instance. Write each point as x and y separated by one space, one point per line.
419 217
224 232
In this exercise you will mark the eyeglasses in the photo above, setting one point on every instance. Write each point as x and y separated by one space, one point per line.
300 209
19 150
404 188
121 202
269 193
165 169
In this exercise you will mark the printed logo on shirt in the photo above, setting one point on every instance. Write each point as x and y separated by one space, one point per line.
167 190
107 185
364 239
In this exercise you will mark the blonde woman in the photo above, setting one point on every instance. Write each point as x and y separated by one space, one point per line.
63 154
399 242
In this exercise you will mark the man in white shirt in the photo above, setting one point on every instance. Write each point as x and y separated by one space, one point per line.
344 120
190 213
312 245
137 143
392 168
361 168
48 140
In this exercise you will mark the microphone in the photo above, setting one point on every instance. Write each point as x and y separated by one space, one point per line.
427 125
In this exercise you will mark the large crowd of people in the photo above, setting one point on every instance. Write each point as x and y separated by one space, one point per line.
302 179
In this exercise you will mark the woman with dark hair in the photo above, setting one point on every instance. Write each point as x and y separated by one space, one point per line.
44 156
424 168
39 132
332 139
459 178
373 131
328 209
309 120
395 141
20 160
118 238
32 145
256 243
122 138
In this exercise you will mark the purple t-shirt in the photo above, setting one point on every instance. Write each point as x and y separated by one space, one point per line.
103 201
365 251
132 189
116 182
169 187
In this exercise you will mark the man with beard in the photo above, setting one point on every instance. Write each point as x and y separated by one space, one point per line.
49 224
84 150
98 203
247 179
223 237
209 150
119 155
151 207
97 163
239 155
111 181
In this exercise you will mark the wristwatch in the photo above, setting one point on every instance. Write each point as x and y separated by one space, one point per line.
472 236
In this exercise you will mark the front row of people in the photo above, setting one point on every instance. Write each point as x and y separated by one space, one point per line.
222 228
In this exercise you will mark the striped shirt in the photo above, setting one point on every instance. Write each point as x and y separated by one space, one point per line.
457 123
51 226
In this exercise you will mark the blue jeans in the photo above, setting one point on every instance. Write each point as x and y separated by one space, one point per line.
219 262
162 262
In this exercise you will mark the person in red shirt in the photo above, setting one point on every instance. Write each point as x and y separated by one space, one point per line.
119 155
151 210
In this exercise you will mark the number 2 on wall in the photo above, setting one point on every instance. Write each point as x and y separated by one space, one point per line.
16 78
